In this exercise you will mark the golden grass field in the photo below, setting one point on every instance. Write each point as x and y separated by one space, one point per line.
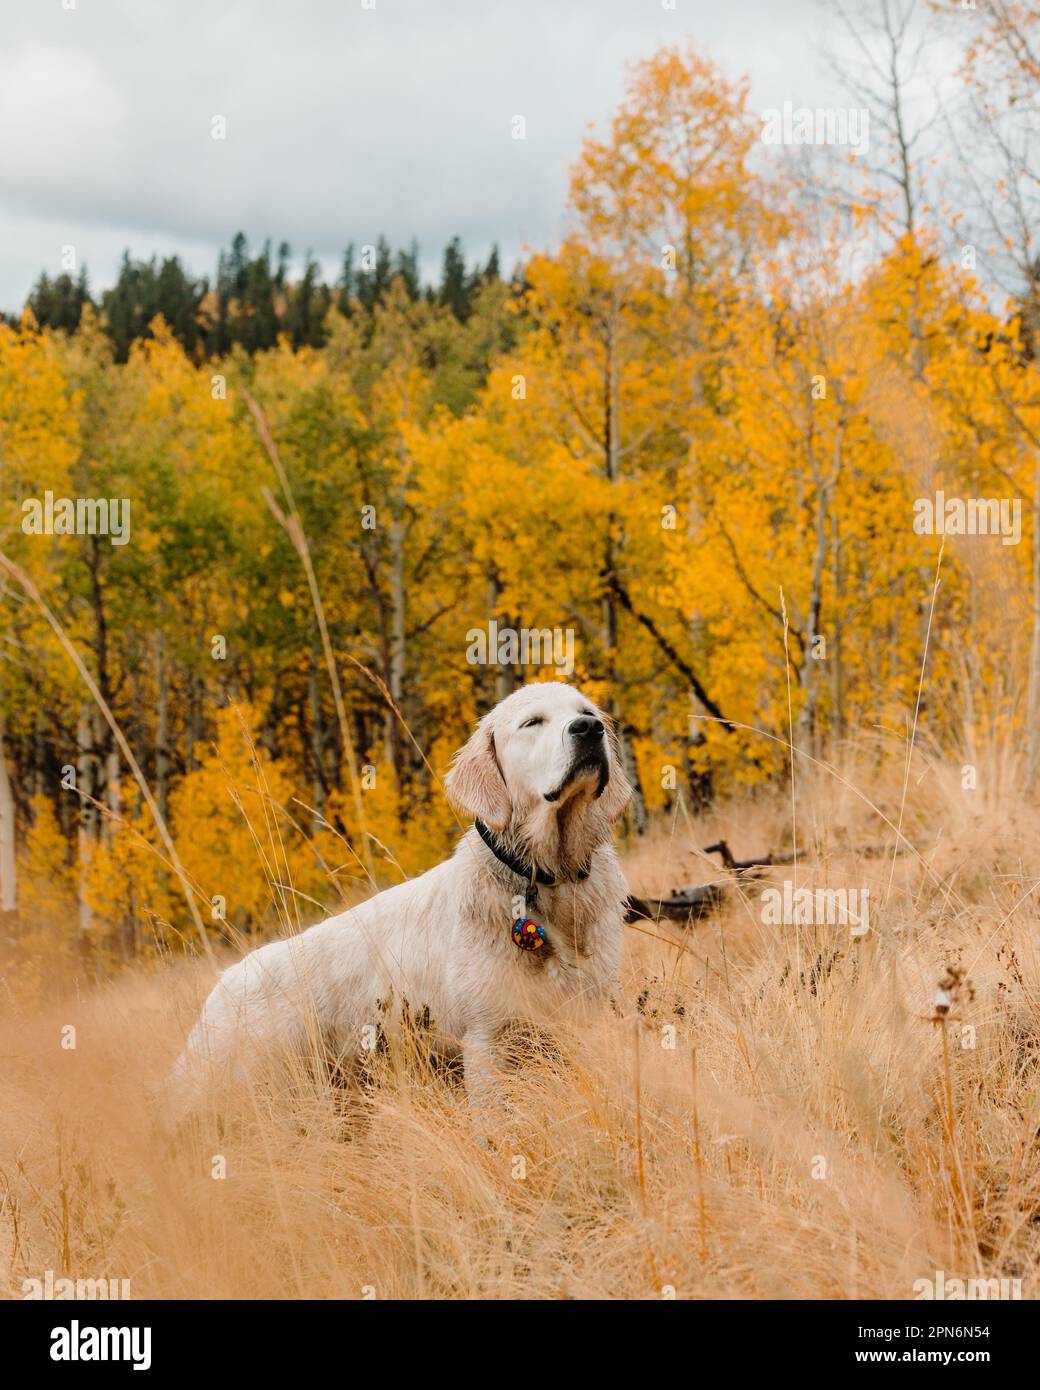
813 1134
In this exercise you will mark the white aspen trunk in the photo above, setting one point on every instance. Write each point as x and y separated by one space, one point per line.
162 762
612 468
113 794
805 735
8 872
397 651
317 739
807 729
505 676
194 731
398 644
85 836
837 672
1033 699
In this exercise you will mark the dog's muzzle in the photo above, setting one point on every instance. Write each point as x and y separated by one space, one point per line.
589 744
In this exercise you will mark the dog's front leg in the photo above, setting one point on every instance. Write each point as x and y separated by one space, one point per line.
481 1080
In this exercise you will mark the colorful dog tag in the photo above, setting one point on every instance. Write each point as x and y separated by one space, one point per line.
528 934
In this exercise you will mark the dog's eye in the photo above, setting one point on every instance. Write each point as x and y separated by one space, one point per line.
530 723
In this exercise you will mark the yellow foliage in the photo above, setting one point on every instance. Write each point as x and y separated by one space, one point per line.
128 888
232 821
47 890
406 839
689 438
47 898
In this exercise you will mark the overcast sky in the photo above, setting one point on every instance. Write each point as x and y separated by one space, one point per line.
342 122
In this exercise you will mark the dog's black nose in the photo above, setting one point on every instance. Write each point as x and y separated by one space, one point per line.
586 727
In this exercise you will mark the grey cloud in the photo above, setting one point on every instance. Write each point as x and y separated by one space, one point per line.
343 123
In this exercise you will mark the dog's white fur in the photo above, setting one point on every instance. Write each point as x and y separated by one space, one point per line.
439 947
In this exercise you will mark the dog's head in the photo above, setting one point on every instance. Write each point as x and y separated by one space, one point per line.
543 755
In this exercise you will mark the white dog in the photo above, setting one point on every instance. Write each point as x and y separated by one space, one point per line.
522 925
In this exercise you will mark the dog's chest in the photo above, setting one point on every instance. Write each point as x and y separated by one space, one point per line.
546 947
490 976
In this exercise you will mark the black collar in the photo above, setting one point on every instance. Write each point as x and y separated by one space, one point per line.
528 872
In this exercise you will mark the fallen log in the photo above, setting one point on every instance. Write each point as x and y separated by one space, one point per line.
703 899
699 900
722 849
682 907
736 866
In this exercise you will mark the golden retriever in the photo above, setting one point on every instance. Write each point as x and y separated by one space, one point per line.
521 926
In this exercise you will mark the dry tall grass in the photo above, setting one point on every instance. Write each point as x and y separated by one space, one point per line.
813 1133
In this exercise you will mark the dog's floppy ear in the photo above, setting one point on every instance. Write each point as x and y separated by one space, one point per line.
618 791
475 783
